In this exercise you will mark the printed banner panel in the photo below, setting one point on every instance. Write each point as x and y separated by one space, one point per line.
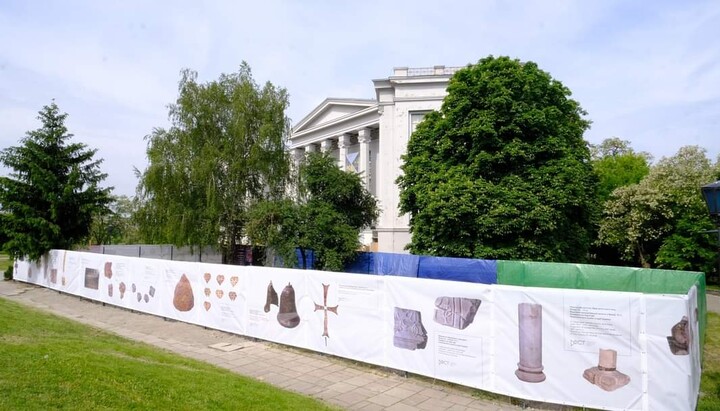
569 346
598 349
673 346
440 329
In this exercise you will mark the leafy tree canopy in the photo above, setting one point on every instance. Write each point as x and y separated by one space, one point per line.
660 221
502 170
617 165
225 149
53 191
118 225
328 211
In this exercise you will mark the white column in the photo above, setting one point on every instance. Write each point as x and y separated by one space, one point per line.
297 156
343 144
364 140
311 148
326 146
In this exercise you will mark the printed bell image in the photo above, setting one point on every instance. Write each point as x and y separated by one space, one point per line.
605 375
530 367
679 340
271 298
288 316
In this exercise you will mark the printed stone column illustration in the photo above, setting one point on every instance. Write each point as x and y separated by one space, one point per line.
530 368
605 375
364 140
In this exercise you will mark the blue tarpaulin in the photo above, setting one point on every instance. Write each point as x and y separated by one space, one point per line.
458 269
409 265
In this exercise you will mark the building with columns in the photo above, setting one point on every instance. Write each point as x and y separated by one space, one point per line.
368 136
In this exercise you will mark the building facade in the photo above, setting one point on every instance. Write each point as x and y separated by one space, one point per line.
369 136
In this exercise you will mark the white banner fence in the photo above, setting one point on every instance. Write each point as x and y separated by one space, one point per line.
599 349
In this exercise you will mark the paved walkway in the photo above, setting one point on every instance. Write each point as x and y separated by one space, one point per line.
336 381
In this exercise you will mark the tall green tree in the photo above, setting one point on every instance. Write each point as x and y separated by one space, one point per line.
502 170
225 149
53 190
660 221
326 214
617 165
117 226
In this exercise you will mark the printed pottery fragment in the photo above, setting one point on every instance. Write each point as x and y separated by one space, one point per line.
183 298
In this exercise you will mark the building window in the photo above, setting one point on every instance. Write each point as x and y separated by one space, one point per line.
415 118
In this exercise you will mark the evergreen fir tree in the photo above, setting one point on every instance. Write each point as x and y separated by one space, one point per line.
49 198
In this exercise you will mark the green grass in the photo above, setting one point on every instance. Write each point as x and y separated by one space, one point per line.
47 362
710 383
5 263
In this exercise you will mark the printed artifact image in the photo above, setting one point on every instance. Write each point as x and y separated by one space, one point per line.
530 368
409 332
92 278
679 340
456 312
122 288
271 298
324 307
605 374
53 275
108 269
287 315
183 299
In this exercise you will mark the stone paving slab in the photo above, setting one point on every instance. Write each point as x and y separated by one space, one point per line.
336 381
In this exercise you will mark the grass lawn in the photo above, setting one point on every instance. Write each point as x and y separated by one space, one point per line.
47 362
4 263
710 383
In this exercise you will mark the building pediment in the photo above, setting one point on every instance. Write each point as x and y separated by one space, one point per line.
332 110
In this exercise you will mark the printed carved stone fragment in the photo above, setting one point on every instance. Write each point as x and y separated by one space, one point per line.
219 293
183 299
139 297
207 277
456 312
232 295
207 292
530 368
122 290
605 375
234 280
207 305
152 291
287 314
92 278
108 269
146 298
679 340
220 278
110 290
53 275
409 332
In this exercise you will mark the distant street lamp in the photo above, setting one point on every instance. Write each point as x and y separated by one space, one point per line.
711 193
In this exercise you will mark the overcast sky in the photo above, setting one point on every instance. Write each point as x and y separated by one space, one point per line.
648 72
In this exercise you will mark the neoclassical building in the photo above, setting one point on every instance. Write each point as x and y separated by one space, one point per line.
368 136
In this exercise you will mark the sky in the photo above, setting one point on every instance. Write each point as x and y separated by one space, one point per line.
647 72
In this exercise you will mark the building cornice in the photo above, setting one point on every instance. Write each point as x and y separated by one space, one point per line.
333 101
